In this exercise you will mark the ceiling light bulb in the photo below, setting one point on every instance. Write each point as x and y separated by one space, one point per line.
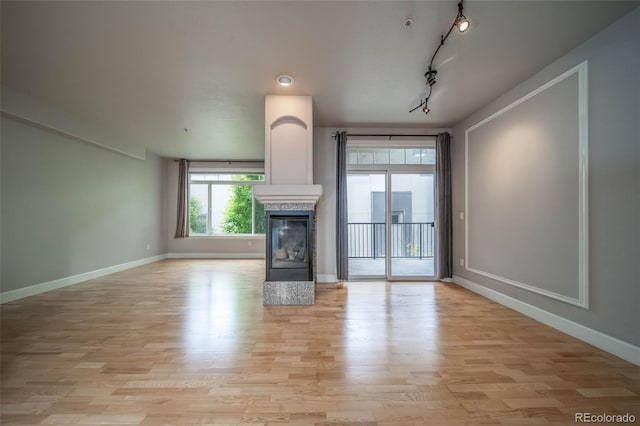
284 80
425 109
462 23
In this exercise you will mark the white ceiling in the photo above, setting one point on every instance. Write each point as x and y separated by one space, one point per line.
149 70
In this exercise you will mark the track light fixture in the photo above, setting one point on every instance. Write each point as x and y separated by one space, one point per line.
462 23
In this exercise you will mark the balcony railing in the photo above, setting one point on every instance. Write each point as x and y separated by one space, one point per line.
408 240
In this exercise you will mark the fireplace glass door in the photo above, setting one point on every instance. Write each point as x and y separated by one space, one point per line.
289 246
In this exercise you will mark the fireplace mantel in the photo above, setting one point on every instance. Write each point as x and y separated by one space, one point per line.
289 194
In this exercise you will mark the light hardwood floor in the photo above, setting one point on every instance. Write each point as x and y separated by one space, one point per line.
189 342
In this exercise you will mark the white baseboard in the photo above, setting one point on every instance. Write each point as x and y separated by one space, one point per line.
600 340
326 278
215 255
10 296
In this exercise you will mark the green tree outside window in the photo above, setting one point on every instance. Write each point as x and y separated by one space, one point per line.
237 218
197 221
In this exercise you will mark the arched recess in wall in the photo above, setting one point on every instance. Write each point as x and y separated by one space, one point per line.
289 151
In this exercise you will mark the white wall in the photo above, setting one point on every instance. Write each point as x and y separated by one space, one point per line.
614 183
70 207
288 140
362 186
360 189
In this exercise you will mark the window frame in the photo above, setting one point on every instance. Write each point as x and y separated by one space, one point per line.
408 143
210 183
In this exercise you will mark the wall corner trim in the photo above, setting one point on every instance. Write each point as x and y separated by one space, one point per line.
607 343
21 293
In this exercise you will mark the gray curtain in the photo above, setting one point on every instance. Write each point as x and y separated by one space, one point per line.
182 226
342 242
444 221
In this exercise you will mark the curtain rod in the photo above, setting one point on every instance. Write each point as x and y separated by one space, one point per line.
387 135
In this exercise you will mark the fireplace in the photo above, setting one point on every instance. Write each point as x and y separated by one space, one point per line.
289 245
289 197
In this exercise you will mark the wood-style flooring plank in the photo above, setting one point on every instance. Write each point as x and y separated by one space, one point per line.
189 342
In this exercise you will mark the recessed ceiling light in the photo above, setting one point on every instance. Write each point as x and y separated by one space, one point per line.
284 80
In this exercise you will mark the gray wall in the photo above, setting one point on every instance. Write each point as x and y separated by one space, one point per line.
614 181
70 207
522 192
324 173
226 246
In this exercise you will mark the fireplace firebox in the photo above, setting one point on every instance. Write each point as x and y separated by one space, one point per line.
289 245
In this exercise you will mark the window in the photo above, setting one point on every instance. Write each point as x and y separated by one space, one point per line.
357 155
223 203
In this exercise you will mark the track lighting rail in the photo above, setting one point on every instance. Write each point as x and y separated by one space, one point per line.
462 23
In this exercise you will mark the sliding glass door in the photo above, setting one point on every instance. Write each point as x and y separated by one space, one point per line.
412 213
391 212
367 224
